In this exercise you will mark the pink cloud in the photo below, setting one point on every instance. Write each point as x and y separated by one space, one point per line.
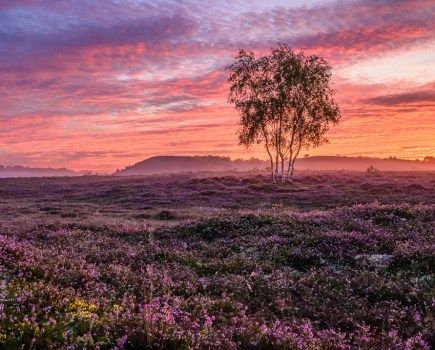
138 78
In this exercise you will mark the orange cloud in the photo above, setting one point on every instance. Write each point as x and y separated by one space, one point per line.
101 92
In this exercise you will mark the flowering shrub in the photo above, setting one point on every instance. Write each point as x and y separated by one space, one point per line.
357 277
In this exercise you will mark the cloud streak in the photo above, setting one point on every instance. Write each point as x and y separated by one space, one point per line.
87 77
421 97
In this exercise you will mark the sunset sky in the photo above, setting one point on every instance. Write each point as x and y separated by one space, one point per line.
99 85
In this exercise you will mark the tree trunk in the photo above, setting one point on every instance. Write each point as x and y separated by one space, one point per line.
291 168
271 169
290 171
282 169
276 156
275 178
290 156
269 153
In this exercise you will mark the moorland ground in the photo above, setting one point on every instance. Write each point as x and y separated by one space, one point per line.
337 260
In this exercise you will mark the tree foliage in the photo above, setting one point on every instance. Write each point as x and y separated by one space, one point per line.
284 101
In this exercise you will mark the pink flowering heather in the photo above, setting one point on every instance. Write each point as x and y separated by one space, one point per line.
334 261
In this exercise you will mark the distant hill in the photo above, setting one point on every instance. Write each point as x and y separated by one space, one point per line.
362 163
178 164
21 171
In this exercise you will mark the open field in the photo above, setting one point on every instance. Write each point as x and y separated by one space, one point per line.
337 260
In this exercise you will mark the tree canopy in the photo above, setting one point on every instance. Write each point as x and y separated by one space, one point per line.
285 102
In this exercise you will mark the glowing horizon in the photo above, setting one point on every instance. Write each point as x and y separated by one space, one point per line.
95 85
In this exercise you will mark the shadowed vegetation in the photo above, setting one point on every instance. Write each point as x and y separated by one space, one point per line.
334 261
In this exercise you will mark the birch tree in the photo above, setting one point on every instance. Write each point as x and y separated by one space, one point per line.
285 102
251 93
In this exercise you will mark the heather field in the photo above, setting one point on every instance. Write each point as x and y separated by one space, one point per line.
337 260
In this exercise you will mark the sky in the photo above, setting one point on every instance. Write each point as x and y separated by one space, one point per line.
101 84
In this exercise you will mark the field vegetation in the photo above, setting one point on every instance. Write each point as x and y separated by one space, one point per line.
336 260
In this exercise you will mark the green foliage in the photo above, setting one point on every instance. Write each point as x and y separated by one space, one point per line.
284 100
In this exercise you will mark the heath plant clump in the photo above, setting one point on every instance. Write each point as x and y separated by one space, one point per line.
275 274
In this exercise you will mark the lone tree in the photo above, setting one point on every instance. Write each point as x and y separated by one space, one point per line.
285 102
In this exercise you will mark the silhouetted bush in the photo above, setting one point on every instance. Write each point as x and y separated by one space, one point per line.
372 169
166 215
